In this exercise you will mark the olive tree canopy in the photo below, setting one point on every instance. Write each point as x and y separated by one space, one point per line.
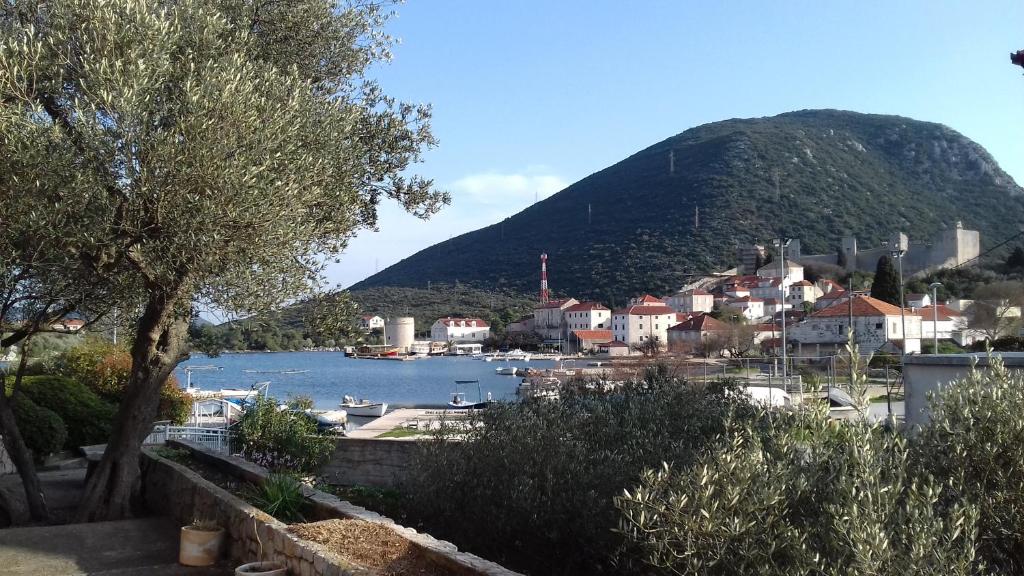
211 151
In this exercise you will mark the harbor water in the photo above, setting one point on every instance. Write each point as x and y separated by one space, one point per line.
327 376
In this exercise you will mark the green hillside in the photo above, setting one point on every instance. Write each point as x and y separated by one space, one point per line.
630 228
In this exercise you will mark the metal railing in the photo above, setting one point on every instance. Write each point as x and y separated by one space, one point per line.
216 439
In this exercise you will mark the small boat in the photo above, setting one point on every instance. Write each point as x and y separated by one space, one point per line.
459 401
363 407
248 371
506 371
327 420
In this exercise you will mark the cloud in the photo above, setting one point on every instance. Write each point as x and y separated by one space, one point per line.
506 190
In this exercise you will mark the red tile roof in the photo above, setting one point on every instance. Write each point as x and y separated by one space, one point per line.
554 303
648 299
742 300
641 310
455 322
945 313
586 307
684 316
702 323
802 283
833 295
862 306
599 335
614 344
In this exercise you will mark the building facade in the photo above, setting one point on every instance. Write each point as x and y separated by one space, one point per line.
460 330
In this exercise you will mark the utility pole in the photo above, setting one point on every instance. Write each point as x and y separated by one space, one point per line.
935 315
782 243
852 334
898 255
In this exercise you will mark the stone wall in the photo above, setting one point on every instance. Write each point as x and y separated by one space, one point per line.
177 491
381 463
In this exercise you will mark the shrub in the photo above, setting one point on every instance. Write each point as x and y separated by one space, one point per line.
41 428
280 439
279 495
106 369
974 443
531 484
799 494
87 416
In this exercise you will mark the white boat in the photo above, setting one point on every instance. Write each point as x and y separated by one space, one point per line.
459 402
329 420
506 371
363 407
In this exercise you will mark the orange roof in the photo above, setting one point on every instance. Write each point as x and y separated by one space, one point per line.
554 303
454 322
640 310
648 299
802 283
862 306
833 295
702 323
945 313
586 307
743 299
600 335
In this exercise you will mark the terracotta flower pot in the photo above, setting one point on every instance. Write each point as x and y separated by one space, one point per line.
200 547
261 569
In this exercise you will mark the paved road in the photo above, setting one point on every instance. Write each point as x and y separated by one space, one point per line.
124 548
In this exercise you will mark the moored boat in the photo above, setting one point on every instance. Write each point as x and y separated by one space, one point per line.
363 407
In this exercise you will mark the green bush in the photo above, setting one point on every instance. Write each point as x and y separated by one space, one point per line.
280 439
42 429
279 495
799 494
531 484
87 416
974 443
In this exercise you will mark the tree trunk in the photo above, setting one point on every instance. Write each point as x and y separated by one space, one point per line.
159 347
16 449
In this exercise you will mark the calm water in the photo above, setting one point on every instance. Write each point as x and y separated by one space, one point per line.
426 382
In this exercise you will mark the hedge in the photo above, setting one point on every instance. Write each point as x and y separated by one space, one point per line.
87 416
42 429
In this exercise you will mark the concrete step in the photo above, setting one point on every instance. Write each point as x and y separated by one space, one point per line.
119 548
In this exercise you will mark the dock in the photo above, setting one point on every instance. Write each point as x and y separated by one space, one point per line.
414 420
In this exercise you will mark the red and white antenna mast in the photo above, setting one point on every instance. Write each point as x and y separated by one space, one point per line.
543 278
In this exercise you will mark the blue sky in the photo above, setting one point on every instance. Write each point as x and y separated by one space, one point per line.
529 97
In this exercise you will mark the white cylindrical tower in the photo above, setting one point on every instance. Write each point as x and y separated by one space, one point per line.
401 332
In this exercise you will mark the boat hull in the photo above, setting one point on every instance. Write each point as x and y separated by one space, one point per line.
367 410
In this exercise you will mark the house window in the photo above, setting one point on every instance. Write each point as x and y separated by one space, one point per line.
655 326
641 326
878 325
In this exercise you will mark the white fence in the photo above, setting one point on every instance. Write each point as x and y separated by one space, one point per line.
217 439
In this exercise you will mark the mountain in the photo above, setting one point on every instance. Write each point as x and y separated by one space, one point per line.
816 175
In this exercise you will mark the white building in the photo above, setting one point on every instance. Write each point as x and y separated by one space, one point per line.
802 291
876 324
950 324
750 308
794 272
638 324
459 330
691 301
367 323
549 318
587 316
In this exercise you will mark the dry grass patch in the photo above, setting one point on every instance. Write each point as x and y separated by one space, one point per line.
370 545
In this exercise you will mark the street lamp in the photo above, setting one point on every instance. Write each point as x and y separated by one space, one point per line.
782 243
935 315
898 255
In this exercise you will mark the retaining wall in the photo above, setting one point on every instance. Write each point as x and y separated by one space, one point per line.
177 491
381 463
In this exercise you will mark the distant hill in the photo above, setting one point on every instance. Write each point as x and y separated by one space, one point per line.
816 175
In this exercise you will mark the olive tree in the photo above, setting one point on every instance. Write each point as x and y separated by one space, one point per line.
219 152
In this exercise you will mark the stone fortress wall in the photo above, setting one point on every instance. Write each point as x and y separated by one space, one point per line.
950 248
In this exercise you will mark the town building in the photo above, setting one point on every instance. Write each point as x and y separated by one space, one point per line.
750 308
949 324
614 348
801 292
877 325
587 316
589 340
524 324
646 319
793 272
696 300
68 325
368 323
700 335
549 319
917 300
459 330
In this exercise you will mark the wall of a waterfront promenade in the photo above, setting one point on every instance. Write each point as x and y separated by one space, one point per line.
382 463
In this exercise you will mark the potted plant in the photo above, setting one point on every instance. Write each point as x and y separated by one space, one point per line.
261 569
201 543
